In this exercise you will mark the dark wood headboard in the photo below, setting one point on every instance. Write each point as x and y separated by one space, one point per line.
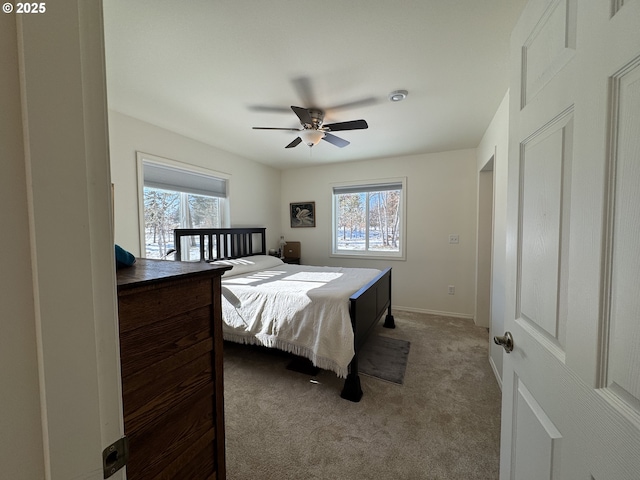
222 243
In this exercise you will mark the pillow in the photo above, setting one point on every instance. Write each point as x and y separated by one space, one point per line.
249 264
123 258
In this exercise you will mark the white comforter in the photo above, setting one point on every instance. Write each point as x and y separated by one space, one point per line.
299 309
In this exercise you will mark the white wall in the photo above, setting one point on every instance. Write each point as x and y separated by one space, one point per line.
496 142
441 200
254 188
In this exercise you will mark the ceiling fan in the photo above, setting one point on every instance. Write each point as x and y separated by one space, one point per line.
312 129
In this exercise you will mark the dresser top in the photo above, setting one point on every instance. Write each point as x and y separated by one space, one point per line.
149 271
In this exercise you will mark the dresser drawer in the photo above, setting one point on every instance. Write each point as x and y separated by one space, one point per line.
171 299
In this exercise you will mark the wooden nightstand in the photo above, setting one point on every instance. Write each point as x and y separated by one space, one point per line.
292 253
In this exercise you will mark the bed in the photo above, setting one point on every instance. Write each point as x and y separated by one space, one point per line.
324 314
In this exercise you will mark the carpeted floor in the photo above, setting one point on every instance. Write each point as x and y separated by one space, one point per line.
443 422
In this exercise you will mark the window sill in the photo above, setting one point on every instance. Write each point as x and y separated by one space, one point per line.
368 256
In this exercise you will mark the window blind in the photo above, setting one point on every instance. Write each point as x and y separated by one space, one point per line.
377 187
175 179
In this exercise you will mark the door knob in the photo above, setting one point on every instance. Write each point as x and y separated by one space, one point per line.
505 340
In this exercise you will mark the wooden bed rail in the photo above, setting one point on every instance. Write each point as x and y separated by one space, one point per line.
370 302
222 243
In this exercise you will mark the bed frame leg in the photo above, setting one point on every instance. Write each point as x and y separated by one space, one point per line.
389 321
352 390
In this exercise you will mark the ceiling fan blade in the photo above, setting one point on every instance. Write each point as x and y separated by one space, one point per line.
295 143
303 114
277 128
351 125
304 90
365 102
269 109
337 141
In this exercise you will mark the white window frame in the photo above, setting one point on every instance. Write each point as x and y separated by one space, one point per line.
149 159
368 254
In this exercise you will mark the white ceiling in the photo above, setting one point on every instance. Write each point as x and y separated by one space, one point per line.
212 69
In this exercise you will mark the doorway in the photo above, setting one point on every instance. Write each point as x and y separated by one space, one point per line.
485 244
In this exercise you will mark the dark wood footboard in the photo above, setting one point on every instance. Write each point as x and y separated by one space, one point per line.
366 307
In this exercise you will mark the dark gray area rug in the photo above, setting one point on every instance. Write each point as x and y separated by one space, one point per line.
385 358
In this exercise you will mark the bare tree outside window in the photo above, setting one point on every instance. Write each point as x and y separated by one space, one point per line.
166 210
351 221
384 220
368 221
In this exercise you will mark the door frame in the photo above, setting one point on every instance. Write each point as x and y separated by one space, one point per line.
484 243
64 110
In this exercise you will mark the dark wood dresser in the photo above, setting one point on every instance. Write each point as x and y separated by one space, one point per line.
171 355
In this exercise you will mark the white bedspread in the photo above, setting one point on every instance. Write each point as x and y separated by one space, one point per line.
299 309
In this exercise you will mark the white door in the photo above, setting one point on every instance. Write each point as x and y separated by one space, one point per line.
571 386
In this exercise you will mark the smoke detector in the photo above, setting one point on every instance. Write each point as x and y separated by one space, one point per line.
398 95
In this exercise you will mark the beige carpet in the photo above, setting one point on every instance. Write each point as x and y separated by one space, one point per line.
442 423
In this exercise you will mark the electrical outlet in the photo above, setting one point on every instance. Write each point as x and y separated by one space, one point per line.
454 238
452 290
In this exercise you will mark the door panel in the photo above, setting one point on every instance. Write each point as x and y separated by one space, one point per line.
623 357
571 395
549 47
544 199
537 439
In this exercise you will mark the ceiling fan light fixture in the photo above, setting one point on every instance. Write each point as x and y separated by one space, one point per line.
311 137
398 95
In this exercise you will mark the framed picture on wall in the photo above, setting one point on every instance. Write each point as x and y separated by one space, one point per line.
303 214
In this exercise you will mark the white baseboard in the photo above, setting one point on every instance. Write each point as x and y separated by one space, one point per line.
495 372
434 312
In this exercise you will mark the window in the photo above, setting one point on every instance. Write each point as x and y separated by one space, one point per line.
178 197
368 219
